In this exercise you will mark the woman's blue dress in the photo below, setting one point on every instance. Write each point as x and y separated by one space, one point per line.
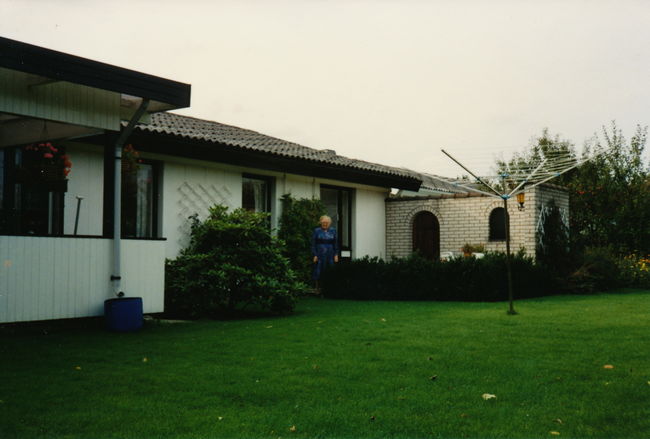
324 245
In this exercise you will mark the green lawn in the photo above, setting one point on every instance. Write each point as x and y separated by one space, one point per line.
342 369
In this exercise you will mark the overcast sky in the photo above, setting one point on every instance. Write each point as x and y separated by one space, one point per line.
385 81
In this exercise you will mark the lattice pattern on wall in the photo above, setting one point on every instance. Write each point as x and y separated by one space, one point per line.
197 198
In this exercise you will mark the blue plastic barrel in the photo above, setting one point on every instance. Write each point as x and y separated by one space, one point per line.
123 314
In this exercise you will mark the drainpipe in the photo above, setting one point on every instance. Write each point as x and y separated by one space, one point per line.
116 277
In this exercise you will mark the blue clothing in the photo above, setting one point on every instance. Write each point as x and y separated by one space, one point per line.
324 245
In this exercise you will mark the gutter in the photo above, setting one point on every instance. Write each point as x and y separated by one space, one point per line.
116 277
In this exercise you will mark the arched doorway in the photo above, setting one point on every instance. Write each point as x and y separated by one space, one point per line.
498 224
426 235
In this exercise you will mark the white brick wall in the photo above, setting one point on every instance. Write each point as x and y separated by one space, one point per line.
466 220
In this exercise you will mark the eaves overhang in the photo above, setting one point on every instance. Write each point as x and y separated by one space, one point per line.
51 65
167 144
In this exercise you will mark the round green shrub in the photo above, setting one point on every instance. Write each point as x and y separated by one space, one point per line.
232 263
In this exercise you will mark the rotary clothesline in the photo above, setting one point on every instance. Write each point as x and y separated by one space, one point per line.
514 180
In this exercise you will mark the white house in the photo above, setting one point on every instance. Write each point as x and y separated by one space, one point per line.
73 236
62 253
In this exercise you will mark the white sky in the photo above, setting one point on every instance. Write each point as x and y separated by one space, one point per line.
385 81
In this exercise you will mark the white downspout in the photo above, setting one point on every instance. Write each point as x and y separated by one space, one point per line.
116 277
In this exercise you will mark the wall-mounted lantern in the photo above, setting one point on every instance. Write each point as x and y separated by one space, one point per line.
521 199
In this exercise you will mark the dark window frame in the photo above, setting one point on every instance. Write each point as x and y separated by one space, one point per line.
350 192
156 168
109 189
8 199
497 223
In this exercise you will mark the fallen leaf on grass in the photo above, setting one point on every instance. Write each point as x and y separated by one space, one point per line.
77 367
608 366
554 433
145 359
558 420
383 320
220 418
372 418
292 428
487 396
433 377
269 327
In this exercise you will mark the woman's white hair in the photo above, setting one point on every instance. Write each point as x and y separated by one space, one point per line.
325 217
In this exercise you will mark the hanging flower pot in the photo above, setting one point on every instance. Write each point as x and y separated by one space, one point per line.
130 160
44 166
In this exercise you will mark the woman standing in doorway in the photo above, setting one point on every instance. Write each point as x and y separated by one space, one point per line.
324 248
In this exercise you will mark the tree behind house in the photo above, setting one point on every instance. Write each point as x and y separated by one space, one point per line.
609 196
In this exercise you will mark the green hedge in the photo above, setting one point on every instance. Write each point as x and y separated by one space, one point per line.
416 278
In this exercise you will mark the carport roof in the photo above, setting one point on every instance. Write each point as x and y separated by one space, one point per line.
52 65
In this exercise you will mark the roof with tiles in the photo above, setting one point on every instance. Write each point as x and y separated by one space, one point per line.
215 132
437 183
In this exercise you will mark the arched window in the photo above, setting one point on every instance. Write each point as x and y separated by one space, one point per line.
498 224
426 235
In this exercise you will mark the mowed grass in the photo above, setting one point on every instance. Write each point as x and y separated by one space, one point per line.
343 369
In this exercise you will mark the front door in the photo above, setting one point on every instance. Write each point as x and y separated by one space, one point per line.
426 235
338 204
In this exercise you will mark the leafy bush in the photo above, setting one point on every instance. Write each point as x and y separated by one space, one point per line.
599 271
297 222
416 278
635 270
232 262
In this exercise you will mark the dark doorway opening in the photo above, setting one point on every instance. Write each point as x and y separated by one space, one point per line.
426 235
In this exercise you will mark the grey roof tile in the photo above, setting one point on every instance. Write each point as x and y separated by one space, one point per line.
199 129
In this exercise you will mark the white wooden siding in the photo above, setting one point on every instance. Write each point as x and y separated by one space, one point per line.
53 278
59 101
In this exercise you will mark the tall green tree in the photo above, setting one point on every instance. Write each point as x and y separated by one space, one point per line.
609 194
546 145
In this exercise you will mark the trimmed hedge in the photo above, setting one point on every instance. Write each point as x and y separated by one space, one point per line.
416 278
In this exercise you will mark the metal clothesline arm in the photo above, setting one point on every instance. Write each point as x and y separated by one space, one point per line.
527 178
471 173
